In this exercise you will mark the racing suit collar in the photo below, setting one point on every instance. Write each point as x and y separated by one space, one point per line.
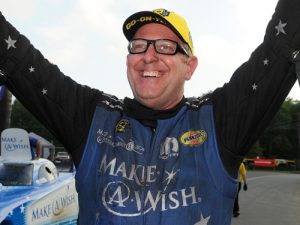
148 117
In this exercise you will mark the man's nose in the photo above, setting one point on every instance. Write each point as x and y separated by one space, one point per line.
150 54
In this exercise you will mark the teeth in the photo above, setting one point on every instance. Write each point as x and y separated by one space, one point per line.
151 74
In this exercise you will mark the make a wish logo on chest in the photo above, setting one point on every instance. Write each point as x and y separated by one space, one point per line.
135 190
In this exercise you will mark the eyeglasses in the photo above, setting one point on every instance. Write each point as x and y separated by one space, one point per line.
161 46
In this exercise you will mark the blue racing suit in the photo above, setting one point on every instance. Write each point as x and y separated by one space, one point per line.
140 166
172 176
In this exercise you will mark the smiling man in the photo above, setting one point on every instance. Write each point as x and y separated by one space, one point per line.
160 158
155 71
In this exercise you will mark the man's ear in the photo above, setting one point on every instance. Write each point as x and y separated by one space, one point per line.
192 63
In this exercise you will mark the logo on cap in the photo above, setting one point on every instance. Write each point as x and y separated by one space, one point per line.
162 12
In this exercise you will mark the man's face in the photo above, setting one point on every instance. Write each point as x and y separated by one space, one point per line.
157 80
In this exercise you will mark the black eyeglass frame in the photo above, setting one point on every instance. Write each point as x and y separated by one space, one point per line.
179 48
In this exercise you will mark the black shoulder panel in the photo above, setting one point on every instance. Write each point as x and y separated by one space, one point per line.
194 103
111 102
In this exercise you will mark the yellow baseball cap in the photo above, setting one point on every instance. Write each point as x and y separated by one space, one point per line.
170 19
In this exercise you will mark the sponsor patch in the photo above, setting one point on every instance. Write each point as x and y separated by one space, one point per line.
193 138
122 126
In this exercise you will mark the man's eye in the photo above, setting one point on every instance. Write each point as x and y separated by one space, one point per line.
138 47
164 47
167 48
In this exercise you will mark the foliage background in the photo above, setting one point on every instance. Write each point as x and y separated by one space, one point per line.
22 118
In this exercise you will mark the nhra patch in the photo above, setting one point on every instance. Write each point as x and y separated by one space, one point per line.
193 138
122 126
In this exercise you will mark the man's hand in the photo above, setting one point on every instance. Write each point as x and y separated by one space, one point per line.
245 187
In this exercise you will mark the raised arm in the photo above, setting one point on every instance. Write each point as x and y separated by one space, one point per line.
245 106
61 104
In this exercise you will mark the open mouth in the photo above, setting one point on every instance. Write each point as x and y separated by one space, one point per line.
151 74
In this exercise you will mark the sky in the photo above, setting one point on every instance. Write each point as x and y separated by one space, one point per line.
85 39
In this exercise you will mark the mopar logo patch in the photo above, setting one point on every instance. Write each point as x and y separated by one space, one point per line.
193 138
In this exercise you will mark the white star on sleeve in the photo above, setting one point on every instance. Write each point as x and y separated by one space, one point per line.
203 221
44 91
280 28
31 69
22 208
254 87
10 43
266 62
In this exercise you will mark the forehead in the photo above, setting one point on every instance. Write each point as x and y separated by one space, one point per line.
153 31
